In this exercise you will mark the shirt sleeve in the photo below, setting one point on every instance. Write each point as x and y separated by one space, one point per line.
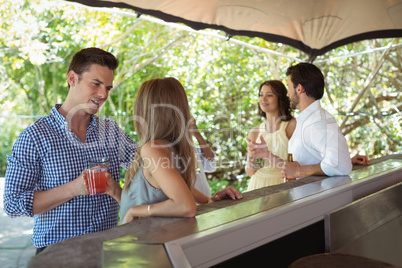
128 149
22 176
325 143
207 165
336 160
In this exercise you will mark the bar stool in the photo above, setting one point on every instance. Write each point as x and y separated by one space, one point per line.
336 260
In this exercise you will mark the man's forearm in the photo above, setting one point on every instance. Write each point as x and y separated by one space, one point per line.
310 170
45 201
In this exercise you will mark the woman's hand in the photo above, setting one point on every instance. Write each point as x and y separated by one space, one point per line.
255 162
113 188
259 150
129 217
229 192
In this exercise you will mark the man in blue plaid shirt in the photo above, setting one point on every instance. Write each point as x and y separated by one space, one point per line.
44 177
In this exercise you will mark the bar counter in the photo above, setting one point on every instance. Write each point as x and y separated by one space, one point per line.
266 222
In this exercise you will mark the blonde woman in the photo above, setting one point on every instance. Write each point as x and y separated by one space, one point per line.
276 129
160 180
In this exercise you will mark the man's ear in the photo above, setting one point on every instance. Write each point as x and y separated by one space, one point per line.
71 76
300 89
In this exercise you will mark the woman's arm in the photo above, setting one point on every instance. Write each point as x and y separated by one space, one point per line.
199 197
226 193
253 137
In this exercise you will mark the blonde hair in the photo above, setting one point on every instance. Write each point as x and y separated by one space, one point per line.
161 112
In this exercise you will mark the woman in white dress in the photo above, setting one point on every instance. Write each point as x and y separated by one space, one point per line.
276 129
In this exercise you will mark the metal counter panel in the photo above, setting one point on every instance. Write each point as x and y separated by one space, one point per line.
259 221
370 227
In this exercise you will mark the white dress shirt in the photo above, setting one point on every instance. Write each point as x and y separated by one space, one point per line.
204 165
318 140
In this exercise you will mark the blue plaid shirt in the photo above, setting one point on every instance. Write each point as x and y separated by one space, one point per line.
48 154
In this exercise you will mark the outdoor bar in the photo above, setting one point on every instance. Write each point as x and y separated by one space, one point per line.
277 225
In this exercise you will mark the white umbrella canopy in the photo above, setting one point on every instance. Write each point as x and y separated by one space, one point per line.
313 26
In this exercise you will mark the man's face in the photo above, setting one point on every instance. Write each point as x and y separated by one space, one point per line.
91 90
292 94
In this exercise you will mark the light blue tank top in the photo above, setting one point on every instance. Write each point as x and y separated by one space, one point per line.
140 192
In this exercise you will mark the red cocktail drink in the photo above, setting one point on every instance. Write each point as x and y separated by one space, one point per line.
96 180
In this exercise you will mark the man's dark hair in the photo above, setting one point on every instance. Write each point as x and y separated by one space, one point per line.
84 58
310 77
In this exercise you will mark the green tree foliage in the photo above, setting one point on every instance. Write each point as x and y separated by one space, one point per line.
374 125
38 39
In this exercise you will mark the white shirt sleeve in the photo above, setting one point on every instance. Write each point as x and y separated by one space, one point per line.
207 165
326 142
337 158
204 164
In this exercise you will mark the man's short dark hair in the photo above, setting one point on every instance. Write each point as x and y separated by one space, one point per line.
84 58
310 77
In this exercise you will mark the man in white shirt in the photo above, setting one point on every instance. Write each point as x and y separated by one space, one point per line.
204 165
317 145
205 159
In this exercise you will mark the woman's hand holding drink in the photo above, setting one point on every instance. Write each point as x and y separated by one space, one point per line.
255 162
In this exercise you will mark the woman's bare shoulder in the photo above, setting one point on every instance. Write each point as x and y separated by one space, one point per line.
290 127
155 148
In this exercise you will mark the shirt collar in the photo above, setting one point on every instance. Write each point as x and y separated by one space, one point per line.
315 106
62 122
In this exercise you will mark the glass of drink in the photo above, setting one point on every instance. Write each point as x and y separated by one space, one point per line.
257 162
95 175
101 161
